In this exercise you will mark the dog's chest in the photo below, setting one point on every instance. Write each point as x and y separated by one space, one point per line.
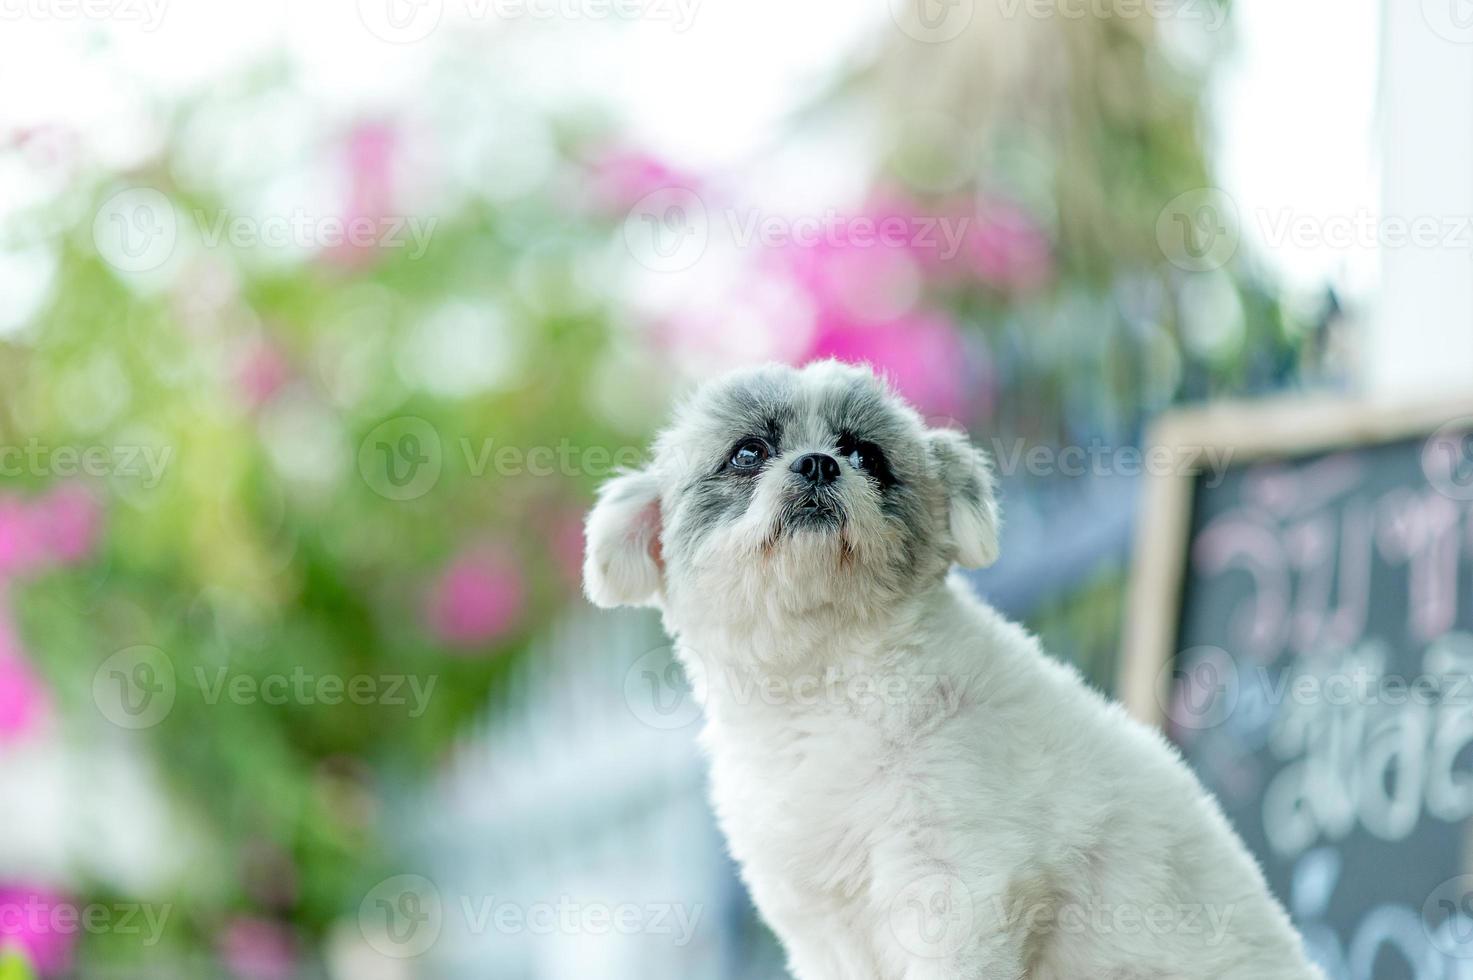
803 802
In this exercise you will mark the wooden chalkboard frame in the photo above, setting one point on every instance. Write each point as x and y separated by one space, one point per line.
1280 427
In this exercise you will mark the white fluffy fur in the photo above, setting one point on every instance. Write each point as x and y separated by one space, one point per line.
621 566
914 791
973 521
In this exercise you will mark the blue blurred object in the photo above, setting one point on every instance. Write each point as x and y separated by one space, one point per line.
578 802
1057 534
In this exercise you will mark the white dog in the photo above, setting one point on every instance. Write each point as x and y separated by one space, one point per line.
912 789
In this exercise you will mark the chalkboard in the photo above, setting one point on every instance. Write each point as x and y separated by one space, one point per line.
1301 624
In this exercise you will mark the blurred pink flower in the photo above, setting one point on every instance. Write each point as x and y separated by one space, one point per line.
259 949
71 520
1007 248
369 161
762 317
866 296
41 923
476 599
871 283
1002 246
620 177
25 702
262 373
22 538
372 148
922 354
59 527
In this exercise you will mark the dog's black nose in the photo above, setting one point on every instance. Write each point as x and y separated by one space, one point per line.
817 468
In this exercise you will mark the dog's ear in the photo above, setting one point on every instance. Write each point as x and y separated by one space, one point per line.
621 557
966 477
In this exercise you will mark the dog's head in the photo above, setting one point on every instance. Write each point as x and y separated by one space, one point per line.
782 491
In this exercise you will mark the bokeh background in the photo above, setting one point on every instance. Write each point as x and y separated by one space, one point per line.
321 322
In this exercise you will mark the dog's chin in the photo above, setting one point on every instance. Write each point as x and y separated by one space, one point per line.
805 560
813 519
808 538
809 515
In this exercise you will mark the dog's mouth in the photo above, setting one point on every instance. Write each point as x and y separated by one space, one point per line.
814 518
812 511
813 515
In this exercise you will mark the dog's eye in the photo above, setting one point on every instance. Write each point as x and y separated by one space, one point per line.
749 455
861 455
865 457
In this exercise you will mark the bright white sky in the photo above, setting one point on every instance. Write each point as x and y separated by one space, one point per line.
1296 124
706 82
